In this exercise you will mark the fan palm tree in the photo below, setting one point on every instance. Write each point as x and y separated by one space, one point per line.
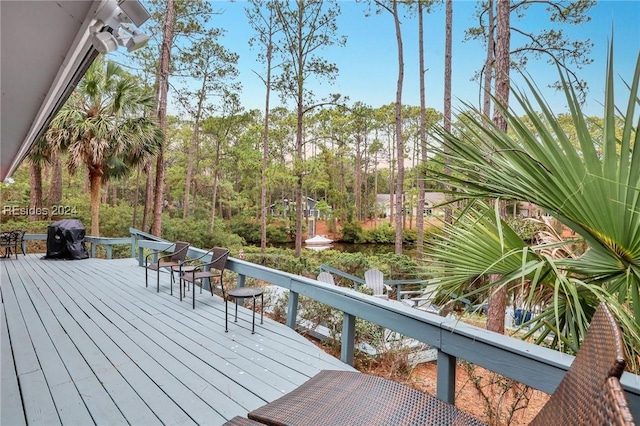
106 126
593 188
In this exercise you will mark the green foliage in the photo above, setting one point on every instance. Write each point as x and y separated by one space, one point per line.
590 187
352 232
383 234
249 230
526 228
196 232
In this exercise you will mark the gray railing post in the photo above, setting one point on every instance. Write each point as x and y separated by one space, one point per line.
241 279
133 245
292 311
348 338
109 251
140 256
446 377
93 249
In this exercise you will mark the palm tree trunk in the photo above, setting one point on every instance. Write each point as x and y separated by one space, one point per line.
35 206
55 191
95 183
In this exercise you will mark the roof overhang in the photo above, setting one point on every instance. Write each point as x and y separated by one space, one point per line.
45 47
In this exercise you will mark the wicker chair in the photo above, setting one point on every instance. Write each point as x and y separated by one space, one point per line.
579 397
338 398
167 261
589 394
615 410
212 269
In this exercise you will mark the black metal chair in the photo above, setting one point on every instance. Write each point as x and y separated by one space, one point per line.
168 261
6 243
18 237
211 270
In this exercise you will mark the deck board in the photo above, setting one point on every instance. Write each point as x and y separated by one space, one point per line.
11 412
90 344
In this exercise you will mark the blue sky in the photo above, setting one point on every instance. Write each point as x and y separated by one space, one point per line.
368 64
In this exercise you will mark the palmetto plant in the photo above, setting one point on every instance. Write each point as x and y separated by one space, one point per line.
591 187
106 126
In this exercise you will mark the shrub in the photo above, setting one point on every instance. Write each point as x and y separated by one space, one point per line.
352 232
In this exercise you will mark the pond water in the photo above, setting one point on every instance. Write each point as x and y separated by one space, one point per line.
367 249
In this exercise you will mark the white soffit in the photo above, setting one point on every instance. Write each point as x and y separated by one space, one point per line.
45 48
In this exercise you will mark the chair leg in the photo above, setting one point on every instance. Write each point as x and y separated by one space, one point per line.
158 281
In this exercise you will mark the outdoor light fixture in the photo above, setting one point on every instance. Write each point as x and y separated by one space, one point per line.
135 11
131 38
114 27
103 41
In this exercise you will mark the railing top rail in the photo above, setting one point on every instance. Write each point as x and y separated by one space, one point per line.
145 235
533 365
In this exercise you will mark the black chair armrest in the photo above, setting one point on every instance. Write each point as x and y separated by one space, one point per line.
156 252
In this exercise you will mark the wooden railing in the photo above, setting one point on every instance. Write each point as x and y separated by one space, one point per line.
532 365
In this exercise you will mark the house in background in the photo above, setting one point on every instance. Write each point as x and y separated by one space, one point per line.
287 208
433 207
432 200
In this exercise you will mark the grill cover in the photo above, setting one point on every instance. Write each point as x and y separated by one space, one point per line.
65 240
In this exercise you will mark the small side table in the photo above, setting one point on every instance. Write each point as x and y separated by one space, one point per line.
242 293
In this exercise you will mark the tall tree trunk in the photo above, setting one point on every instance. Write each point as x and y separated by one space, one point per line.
447 86
488 65
192 151
299 160
399 140
265 157
35 205
148 199
165 60
55 190
136 199
392 176
357 192
214 196
498 300
422 136
95 182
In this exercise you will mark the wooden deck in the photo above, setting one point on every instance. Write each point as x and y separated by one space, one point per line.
85 342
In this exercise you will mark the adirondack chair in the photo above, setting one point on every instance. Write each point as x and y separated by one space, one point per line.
424 298
326 277
374 280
